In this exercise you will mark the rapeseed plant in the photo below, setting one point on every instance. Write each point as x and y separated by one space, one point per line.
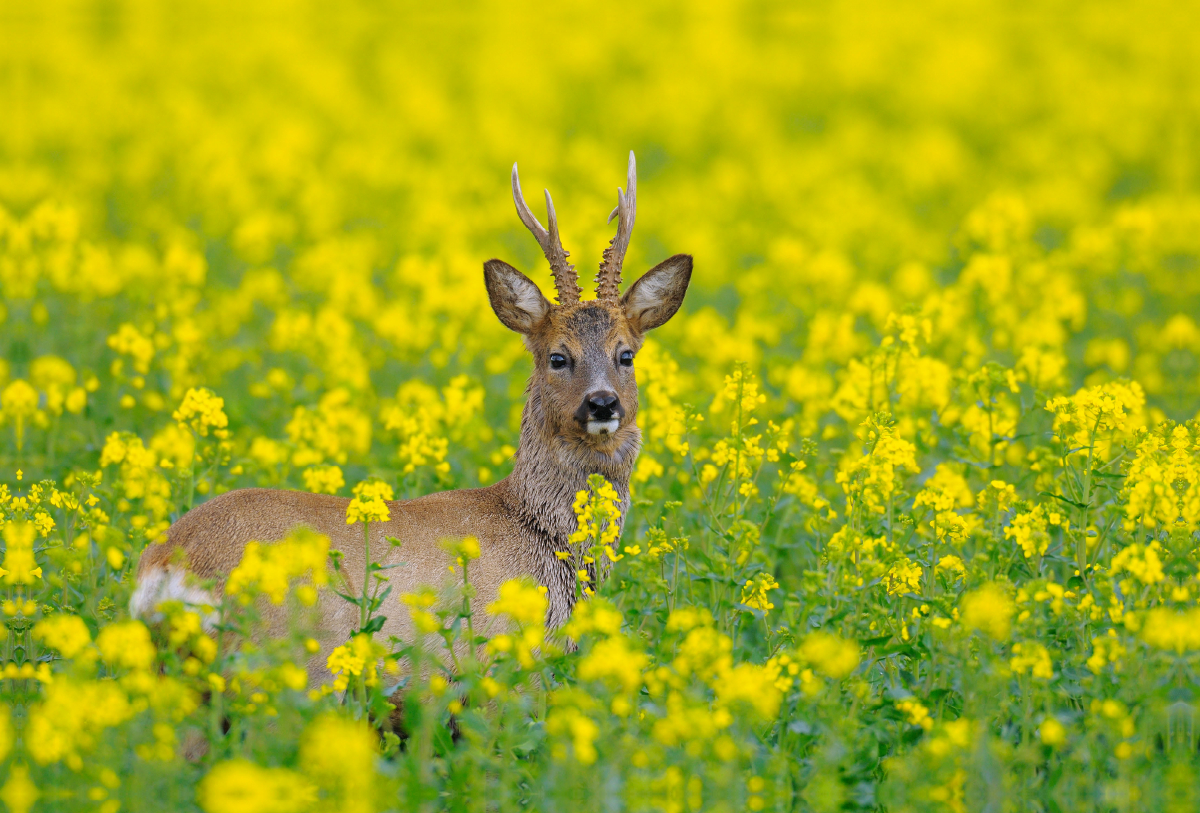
914 522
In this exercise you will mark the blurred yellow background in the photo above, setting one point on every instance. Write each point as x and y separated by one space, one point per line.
868 130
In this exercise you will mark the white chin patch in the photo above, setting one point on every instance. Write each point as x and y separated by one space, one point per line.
602 427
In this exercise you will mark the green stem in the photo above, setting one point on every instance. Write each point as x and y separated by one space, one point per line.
362 607
216 708
1081 557
467 612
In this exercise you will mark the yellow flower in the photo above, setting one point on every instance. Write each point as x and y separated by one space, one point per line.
367 510
463 550
330 431
374 490
339 756
945 490
1052 732
916 713
71 718
581 730
598 518
693 724
19 399
6 732
204 412
1163 483
44 523
19 792
1029 530
705 653
358 656
1096 411
1140 561
270 569
1109 650
752 685
420 604
612 658
369 503
127 644
66 633
20 567
55 377
903 577
871 480
835 657
522 601
989 610
999 496
1033 658
238 786
754 592
951 565
129 341
269 453
323 479
686 618
1171 630
952 738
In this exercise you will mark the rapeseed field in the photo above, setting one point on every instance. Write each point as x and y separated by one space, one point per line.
914 525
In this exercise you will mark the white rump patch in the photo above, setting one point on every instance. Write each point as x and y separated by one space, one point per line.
603 427
170 584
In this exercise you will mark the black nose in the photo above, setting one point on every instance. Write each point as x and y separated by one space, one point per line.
603 405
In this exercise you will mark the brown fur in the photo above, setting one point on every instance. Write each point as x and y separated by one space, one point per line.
520 521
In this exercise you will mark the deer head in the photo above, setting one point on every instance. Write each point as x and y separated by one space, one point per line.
583 383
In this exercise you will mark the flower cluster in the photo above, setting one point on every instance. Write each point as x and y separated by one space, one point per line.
370 502
357 658
598 518
754 592
271 569
203 412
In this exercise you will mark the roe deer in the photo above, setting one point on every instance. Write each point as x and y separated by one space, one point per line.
579 419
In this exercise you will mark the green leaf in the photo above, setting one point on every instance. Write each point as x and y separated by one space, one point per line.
373 625
1063 499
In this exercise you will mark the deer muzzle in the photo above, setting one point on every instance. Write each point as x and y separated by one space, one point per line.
601 412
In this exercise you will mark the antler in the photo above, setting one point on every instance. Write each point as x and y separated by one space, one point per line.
565 278
608 281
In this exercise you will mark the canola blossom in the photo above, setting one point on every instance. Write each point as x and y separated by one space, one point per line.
915 520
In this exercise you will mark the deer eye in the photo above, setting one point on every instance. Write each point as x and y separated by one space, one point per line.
627 358
557 361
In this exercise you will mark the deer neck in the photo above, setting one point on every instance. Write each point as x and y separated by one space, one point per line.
550 469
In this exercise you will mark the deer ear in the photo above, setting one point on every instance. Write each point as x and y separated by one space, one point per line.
515 299
654 298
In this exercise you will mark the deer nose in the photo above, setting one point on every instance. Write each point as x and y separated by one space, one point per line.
603 406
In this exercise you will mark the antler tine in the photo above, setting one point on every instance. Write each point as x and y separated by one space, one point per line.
566 281
608 281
